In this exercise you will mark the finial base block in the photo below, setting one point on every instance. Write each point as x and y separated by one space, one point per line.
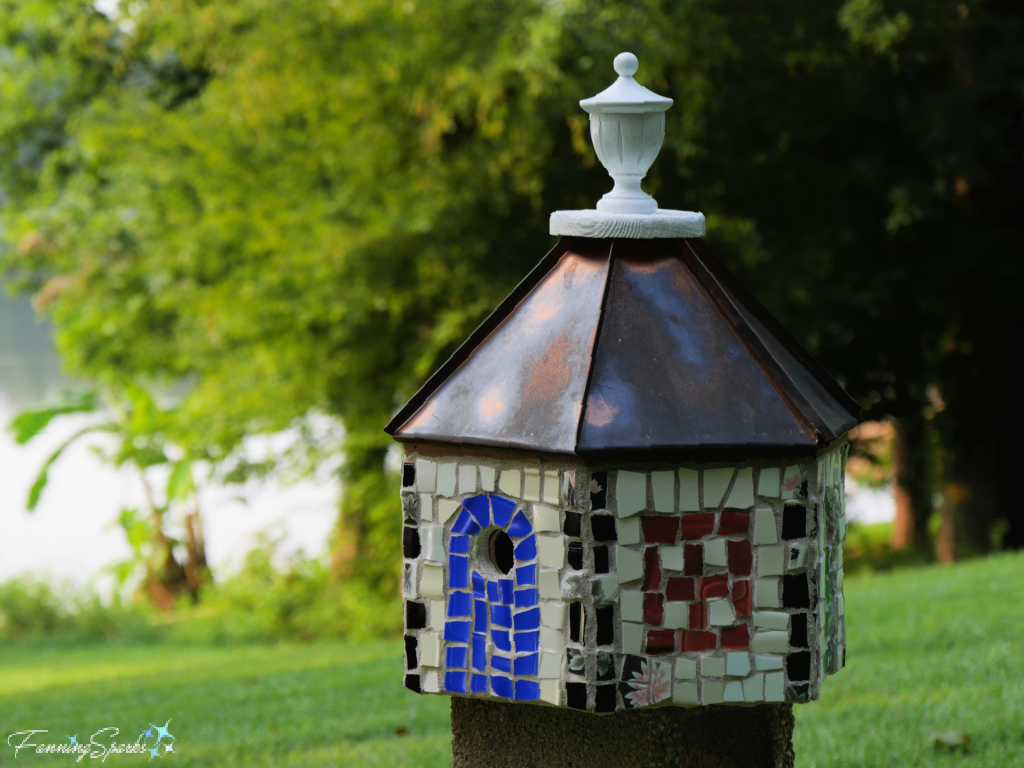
635 226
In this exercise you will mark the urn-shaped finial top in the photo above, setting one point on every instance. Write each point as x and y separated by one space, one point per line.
626 95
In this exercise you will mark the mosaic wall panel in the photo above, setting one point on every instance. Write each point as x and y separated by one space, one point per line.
603 589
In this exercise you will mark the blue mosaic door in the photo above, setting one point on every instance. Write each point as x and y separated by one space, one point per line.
482 602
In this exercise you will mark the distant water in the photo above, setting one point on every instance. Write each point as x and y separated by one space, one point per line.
68 535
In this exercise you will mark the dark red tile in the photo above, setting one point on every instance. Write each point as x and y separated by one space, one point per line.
699 616
680 589
741 597
660 529
699 641
697 526
653 609
734 523
736 638
713 586
741 558
652 570
694 560
661 641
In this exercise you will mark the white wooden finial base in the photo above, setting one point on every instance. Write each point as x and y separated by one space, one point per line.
636 226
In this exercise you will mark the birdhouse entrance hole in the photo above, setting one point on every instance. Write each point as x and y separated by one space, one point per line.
500 551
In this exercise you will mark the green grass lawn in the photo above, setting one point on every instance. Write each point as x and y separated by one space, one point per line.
931 649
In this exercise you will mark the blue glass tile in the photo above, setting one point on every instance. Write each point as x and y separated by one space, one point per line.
457 631
505 591
492 591
527 642
458 571
525 665
527 690
501 616
455 656
501 663
502 686
527 548
528 619
501 639
478 684
455 682
479 585
480 508
520 526
466 524
526 598
459 604
480 618
503 509
480 652
526 576
459 545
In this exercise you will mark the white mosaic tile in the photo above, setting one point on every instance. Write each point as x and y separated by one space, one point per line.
629 530
765 531
790 482
432 583
467 478
775 687
770 561
737 664
426 506
664 485
446 508
509 482
689 498
771 620
716 482
676 615
446 479
436 611
549 585
550 666
768 483
631 606
797 558
433 543
686 669
531 485
551 692
753 688
606 589
409 581
430 649
742 494
551 487
766 593
712 692
552 615
632 638
733 691
770 641
715 553
430 684
712 666
551 551
552 639
426 475
767 663
487 479
721 613
629 564
661 681
671 558
630 493
685 693
545 519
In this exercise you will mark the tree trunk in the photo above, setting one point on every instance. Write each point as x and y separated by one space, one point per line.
913 470
490 734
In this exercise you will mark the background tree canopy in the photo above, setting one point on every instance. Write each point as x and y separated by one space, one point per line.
299 207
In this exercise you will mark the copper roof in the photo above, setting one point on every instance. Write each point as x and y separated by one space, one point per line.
616 348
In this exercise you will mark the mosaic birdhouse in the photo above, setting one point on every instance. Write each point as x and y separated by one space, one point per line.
626 488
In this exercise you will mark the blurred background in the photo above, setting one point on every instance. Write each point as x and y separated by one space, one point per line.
236 235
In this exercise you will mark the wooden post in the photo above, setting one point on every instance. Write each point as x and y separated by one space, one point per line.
489 734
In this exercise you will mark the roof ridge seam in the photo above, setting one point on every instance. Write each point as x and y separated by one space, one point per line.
593 348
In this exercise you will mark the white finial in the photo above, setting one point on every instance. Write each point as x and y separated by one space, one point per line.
627 126
625 64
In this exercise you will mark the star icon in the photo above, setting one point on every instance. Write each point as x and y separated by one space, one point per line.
162 732
155 752
168 748
73 739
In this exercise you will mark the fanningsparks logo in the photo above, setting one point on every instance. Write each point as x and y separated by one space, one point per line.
154 741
